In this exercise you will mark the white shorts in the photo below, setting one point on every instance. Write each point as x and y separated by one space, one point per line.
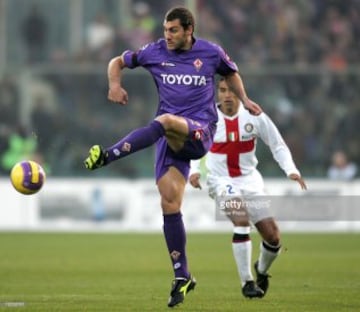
249 187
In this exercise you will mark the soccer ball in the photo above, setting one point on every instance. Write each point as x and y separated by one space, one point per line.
27 177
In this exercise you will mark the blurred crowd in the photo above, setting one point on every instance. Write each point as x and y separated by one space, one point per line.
294 32
298 60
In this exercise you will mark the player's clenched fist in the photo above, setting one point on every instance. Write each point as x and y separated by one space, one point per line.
117 94
194 180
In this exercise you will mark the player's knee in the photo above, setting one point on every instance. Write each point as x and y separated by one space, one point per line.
170 205
244 222
167 120
273 238
171 199
269 231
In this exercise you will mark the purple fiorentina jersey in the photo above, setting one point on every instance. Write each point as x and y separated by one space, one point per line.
185 80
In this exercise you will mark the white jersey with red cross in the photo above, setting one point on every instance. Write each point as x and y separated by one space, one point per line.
233 151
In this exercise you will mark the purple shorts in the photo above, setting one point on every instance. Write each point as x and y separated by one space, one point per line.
200 139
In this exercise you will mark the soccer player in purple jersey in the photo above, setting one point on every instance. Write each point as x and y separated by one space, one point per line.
183 68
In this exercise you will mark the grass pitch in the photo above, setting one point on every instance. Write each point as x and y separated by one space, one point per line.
132 272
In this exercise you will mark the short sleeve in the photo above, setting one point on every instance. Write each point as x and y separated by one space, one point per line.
139 58
226 65
130 59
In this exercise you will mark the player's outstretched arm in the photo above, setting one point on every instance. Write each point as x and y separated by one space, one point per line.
116 93
298 179
236 84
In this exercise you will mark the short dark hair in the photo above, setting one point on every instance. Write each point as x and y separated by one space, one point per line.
220 79
183 14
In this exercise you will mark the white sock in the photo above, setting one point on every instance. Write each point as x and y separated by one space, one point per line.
268 254
242 249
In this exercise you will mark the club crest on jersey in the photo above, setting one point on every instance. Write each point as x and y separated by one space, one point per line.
198 64
249 127
233 136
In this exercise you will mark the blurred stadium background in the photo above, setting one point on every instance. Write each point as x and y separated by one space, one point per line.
299 60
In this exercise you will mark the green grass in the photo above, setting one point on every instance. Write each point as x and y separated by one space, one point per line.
132 272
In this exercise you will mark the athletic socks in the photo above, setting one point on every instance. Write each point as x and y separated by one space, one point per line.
134 141
268 253
175 236
242 248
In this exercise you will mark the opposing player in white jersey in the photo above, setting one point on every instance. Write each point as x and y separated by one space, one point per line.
232 174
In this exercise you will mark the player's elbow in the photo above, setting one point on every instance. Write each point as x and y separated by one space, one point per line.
117 61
